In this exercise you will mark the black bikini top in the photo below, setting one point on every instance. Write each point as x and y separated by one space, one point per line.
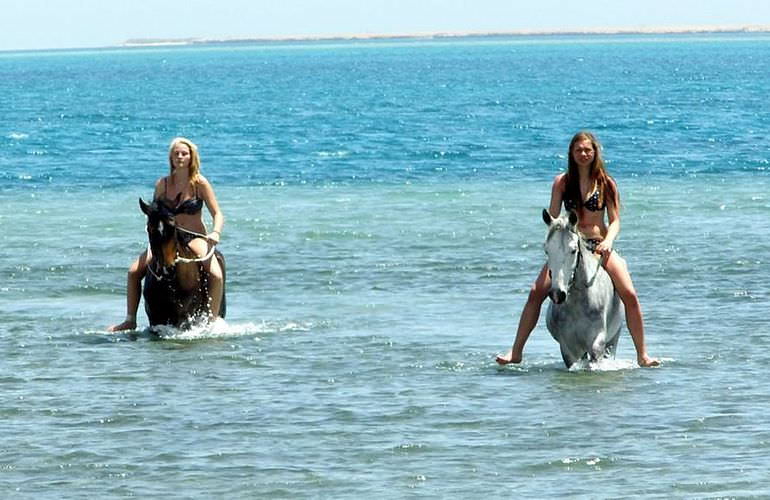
591 204
191 206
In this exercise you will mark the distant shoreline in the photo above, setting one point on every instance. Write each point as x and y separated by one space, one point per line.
670 30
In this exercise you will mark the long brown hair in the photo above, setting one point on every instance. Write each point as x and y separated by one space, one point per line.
597 173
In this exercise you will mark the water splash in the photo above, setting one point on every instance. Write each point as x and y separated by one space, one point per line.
221 329
218 329
205 330
604 365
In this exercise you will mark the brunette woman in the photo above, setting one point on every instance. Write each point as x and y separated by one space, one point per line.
587 189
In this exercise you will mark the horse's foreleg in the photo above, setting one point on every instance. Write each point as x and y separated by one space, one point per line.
612 345
599 348
569 357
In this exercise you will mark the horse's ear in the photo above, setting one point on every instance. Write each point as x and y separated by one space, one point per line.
547 217
573 218
144 206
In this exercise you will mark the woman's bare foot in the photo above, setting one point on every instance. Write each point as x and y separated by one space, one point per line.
646 361
126 325
508 357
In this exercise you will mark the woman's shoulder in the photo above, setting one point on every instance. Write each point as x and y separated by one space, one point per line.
560 181
160 184
201 181
203 187
612 183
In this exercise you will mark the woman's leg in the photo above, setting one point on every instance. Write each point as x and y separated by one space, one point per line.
215 285
618 271
136 272
214 270
529 317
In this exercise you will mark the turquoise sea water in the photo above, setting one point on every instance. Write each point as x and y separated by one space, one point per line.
383 228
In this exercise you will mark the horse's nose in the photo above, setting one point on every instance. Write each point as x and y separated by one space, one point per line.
558 296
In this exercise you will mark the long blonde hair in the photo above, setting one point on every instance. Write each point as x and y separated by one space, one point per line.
195 159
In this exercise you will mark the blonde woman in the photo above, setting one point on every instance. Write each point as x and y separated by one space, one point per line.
183 184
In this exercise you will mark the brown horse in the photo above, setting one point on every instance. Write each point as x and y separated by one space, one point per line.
175 290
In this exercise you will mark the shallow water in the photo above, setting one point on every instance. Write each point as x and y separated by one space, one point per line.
383 228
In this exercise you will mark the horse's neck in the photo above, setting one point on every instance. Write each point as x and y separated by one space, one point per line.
588 266
188 275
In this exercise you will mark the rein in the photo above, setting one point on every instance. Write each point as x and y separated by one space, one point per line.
577 262
184 260
179 259
589 282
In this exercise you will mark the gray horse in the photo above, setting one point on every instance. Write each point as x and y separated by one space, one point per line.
585 313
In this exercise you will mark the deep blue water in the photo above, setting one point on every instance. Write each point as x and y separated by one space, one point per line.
383 227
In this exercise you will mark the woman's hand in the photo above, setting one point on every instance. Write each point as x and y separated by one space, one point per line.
604 248
214 236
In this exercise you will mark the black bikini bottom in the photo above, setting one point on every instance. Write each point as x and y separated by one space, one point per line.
592 244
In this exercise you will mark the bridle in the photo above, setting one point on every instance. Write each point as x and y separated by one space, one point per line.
578 260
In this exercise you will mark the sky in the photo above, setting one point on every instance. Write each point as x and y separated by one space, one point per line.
43 24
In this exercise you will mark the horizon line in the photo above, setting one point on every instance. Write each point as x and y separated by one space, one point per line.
655 30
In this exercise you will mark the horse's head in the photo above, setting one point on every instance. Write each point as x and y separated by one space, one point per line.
562 246
161 230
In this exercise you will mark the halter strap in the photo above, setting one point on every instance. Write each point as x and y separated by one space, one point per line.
149 265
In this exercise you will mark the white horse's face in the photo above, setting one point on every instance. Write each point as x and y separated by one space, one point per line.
561 248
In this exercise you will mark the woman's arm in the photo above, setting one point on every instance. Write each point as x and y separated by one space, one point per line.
207 193
613 217
159 185
557 193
